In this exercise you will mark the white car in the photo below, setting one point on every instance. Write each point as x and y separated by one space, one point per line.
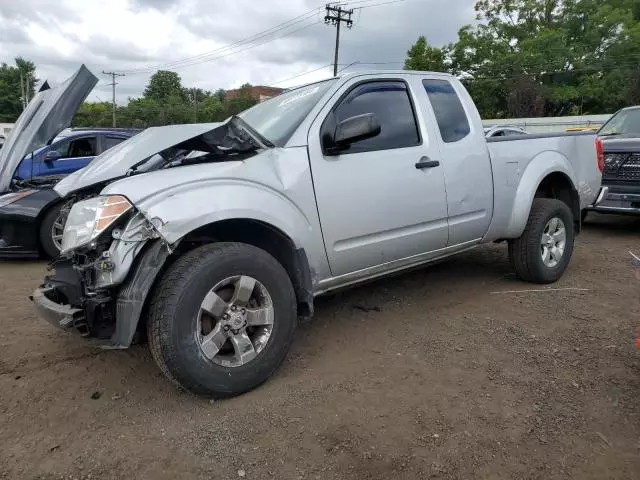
503 131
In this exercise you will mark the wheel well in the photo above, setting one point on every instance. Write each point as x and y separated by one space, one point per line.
265 237
557 185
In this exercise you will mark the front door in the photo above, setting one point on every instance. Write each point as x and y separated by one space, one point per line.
72 154
382 199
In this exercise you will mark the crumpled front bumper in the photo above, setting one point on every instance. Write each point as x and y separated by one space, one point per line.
57 314
617 199
106 313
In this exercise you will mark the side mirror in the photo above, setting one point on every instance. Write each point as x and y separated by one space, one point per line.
354 129
51 156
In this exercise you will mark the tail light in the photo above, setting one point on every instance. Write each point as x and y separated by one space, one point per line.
600 154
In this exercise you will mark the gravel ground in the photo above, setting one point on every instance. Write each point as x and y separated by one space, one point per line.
437 373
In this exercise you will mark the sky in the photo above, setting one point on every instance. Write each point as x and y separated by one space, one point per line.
216 43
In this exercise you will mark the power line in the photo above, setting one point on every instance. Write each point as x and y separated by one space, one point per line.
249 47
301 74
379 4
270 31
233 47
335 16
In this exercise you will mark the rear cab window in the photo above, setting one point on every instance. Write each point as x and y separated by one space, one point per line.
447 107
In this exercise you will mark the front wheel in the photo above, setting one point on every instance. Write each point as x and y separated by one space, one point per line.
222 319
543 251
51 230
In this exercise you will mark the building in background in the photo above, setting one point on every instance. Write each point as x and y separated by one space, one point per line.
258 92
5 129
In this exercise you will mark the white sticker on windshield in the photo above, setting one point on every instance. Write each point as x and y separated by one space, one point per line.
299 96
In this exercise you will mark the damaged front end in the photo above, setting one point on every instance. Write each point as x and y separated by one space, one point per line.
108 265
111 252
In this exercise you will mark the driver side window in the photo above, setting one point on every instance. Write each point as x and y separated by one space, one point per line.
79 147
390 103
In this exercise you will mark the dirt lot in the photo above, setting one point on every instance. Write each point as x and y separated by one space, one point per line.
426 375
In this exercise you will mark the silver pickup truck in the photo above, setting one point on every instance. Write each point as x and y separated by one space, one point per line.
214 238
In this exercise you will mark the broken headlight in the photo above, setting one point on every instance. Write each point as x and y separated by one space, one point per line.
89 218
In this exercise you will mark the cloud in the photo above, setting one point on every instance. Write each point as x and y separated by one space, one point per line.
136 36
157 4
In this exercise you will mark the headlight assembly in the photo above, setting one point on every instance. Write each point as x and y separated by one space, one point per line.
89 218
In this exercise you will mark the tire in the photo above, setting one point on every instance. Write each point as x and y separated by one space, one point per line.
526 252
47 244
173 324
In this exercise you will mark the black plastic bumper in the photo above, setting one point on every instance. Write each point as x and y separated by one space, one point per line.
60 315
64 301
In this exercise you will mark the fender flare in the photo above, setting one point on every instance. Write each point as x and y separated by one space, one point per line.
174 215
541 166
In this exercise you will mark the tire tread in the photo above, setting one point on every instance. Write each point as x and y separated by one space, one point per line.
523 251
167 297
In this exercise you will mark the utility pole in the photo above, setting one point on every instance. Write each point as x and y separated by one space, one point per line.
113 86
335 16
22 92
195 104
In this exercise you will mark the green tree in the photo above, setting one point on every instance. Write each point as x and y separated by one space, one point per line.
220 94
163 85
556 57
422 56
96 114
10 90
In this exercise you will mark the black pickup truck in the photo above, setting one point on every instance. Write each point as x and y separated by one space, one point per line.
620 191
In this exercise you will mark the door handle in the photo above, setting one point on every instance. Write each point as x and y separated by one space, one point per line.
426 163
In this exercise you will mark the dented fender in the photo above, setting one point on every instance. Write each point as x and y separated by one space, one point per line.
273 187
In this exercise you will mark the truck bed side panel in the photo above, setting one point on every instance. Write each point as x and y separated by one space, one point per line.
521 163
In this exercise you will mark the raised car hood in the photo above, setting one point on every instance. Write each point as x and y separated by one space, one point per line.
116 162
48 113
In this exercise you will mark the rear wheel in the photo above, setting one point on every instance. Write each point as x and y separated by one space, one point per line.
543 252
222 319
51 230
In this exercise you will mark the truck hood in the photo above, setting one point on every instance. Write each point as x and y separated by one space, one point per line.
48 113
119 161
621 143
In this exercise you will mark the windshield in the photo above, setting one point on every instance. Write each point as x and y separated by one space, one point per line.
622 123
277 118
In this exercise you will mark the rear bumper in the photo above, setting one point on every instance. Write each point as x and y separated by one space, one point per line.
617 199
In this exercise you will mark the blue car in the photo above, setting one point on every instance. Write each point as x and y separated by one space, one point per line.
72 150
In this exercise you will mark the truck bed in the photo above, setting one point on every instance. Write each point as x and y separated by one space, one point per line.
510 157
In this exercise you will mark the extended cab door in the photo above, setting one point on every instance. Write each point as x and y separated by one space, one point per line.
465 157
382 199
